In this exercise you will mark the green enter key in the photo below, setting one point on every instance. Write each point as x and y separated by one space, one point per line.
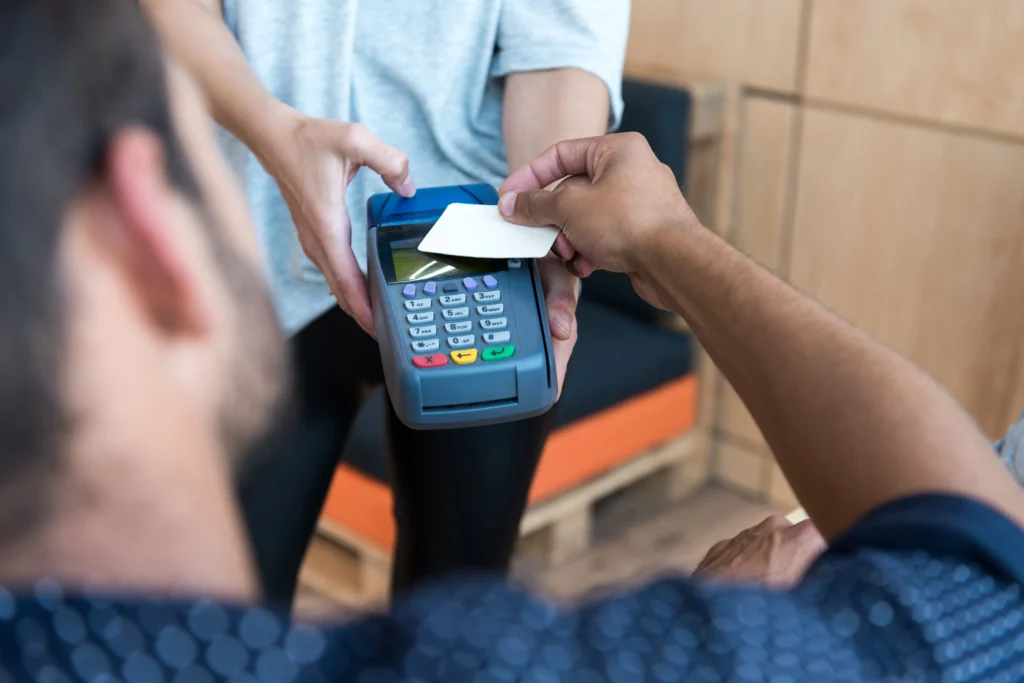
499 352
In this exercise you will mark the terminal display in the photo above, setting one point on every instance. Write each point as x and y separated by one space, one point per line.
412 265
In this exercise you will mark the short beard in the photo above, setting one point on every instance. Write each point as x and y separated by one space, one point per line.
258 402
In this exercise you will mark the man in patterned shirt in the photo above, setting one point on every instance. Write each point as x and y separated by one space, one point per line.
140 360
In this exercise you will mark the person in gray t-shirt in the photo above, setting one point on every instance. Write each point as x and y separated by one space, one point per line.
308 92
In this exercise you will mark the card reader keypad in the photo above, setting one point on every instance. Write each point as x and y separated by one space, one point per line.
426 345
496 337
493 323
425 331
420 318
458 323
417 304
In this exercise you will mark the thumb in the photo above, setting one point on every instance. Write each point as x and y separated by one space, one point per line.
391 163
537 208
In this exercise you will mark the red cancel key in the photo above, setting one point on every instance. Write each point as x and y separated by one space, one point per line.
434 360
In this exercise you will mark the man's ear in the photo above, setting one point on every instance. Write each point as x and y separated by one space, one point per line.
149 240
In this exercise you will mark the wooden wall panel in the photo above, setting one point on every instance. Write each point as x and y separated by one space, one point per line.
917 235
742 468
734 419
763 178
954 61
754 41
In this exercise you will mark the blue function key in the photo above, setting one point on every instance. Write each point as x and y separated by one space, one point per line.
490 282
469 283
409 291
430 288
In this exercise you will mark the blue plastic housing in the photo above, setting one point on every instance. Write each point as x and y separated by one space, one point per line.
485 391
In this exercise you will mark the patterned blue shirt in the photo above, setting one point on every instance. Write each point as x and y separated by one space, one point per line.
925 589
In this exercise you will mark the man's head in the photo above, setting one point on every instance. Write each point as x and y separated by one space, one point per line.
135 328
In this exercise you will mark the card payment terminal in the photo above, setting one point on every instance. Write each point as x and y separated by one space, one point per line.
464 342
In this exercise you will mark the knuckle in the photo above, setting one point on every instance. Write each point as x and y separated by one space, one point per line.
399 164
401 161
357 136
773 522
633 140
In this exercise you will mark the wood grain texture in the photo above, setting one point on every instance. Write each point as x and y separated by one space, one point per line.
753 41
742 467
780 494
638 542
953 61
917 235
734 418
763 183
766 140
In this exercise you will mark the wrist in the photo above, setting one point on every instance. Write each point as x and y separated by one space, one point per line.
653 245
272 139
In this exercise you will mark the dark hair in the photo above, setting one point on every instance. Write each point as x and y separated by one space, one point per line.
72 73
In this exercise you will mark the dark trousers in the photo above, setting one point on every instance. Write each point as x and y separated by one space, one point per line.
459 494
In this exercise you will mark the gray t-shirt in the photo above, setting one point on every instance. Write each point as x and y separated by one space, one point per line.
425 76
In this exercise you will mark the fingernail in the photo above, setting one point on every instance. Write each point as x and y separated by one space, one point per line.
561 322
407 188
507 204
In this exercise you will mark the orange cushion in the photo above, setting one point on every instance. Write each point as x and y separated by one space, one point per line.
574 454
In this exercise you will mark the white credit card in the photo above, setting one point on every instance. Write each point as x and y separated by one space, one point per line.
479 231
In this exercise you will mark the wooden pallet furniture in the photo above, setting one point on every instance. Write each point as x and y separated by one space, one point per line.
349 560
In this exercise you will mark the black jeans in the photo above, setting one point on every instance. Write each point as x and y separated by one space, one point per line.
459 494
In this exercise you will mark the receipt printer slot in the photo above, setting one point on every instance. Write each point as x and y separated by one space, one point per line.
446 391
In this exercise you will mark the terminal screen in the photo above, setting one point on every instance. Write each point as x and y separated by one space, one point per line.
412 265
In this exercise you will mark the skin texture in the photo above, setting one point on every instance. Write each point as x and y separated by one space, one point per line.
853 425
775 554
541 108
165 388
314 160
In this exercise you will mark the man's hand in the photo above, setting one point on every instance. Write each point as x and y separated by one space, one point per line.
540 108
313 165
813 383
605 217
599 208
774 553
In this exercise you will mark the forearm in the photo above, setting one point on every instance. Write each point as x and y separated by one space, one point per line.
545 107
853 424
194 32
